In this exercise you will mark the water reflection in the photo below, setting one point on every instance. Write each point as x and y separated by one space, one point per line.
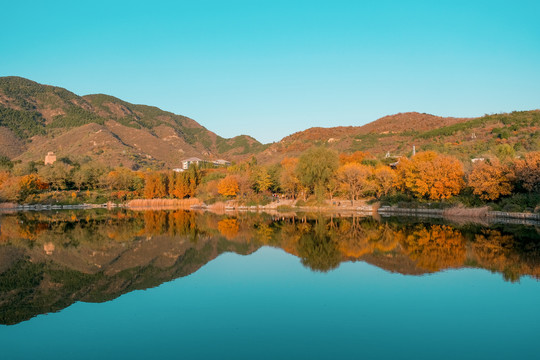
50 260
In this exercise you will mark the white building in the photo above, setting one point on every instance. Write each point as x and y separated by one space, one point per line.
196 161
192 160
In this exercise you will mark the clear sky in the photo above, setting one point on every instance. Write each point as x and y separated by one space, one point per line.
270 68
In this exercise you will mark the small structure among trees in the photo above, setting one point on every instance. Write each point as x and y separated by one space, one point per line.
50 158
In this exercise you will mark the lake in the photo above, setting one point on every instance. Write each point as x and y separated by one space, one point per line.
181 284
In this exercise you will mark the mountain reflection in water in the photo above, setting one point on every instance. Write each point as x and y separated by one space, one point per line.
48 261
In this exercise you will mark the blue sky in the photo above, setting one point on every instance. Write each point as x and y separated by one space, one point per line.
270 68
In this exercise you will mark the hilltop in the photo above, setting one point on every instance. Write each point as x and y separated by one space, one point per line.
466 138
36 118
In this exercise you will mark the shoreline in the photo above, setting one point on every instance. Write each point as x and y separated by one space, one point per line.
459 214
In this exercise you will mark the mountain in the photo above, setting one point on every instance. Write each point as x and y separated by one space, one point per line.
35 119
396 135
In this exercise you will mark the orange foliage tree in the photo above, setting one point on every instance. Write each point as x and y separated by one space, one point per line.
228 186
528 171
431 175
179 185
154 186
490 180
356 157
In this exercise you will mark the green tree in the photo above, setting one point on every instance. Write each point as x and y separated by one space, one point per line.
88 176
121 179
5 163
316 167
58 175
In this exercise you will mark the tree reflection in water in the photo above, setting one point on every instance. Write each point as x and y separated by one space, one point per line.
50 260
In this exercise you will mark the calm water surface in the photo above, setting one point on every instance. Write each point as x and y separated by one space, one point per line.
179 284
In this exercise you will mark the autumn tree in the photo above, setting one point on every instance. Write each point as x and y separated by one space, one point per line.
383 180
30 184
155 186
228 186
332 187
490 180
430 175
245 187
179 185
356 157
193 177
528 171
9 187
260 179
289 179
354 179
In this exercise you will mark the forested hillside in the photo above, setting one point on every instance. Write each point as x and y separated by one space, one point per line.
35 119
496 135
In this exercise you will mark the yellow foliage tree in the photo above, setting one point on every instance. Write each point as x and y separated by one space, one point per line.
261 179
383 180
228 186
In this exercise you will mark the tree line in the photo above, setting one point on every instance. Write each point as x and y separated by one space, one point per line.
319 174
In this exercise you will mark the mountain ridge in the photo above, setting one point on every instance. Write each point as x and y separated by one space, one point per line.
36 119
49 118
